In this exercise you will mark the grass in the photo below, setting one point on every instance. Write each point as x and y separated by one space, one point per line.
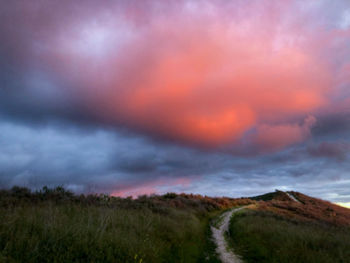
260 236
73 233
54 225
277 195
308 209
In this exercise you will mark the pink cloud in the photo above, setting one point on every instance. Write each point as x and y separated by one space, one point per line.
201 75
276 137
158 186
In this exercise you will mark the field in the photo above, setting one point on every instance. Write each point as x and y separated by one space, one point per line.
54 225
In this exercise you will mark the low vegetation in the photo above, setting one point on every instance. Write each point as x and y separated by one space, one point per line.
54 225
312 231
277 195
307 209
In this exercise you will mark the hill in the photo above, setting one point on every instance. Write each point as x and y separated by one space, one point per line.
55 225
291 227
277 195
299 206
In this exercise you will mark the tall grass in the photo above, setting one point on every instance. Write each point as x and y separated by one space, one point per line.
54 225
267 237
67 233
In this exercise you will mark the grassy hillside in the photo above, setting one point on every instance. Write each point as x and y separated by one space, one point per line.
312 231
54 225
277 195
308 209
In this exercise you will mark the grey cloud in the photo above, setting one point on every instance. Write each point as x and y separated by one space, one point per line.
105 161
337 150
332 124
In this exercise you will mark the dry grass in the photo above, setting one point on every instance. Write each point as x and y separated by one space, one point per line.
281 230
310 209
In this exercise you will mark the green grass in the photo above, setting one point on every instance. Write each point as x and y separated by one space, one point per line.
54 225
66 233
277 195
266 237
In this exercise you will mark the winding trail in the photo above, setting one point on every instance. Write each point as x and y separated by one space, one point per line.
225 253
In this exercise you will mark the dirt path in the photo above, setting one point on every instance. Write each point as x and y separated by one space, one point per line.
225 253
291 196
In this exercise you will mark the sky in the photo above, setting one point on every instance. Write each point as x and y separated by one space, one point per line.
220 98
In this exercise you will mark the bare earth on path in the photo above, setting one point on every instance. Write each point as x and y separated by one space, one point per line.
225 253
292 197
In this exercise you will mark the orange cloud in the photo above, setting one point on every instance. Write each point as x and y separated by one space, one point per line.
210 81
214 89
158 186
277 137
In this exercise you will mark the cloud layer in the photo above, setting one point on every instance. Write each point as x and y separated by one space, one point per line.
200 74
214 80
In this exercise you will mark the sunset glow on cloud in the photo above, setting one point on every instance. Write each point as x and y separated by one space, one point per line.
216 80
199 79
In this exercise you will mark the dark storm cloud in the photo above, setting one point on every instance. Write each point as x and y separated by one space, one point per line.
333 124
86 160
106 161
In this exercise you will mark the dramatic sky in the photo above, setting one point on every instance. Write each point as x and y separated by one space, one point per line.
216 97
